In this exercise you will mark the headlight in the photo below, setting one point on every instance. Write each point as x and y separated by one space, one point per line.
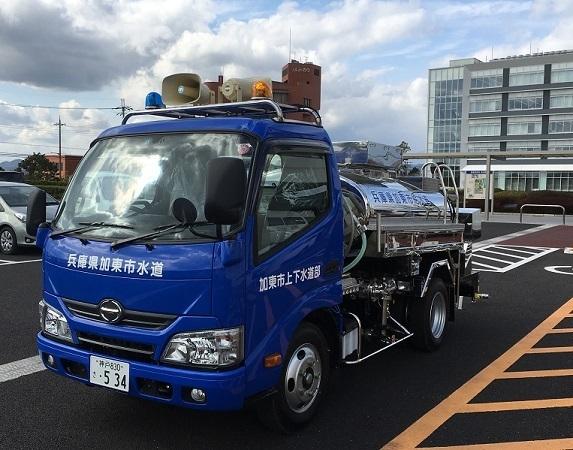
21 217
213 348
53 322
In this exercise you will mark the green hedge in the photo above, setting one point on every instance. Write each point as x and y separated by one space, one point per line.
511 201
55 191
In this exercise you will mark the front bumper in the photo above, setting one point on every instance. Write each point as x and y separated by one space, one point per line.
225 390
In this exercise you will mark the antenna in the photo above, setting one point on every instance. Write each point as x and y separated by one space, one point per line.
530 47
492 52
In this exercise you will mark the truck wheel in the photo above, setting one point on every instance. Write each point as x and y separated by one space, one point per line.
8 243
428 316
303 382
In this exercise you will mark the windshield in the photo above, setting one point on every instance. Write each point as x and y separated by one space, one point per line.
17 196
133 181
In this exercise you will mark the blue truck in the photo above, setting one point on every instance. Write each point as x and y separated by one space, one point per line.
220 258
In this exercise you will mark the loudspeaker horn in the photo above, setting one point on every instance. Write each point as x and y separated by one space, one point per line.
186 88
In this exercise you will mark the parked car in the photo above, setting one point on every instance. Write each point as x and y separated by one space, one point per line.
13 203
11 175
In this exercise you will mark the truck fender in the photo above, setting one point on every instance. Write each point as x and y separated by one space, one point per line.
321 311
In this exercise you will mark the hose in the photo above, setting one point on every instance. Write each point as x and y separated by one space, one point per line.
359 256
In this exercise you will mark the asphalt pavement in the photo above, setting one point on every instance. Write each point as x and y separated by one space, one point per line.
367 405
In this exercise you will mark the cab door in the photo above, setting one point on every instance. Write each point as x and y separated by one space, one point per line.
297 251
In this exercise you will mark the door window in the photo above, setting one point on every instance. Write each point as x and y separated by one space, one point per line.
293 195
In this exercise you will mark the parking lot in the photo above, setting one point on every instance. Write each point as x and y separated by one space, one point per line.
504 375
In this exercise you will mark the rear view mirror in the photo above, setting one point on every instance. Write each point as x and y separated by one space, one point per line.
184 211
35 211
226 189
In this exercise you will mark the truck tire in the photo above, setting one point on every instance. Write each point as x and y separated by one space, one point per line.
428 317
8 242
303 382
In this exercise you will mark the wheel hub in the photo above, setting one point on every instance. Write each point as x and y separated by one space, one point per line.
6 241
302 378
438 315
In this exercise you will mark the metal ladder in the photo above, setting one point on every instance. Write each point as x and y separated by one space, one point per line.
436 172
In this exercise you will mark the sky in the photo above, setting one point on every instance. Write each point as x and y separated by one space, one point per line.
67 58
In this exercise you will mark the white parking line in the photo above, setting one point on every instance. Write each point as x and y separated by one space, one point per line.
20 368
9 263
505 250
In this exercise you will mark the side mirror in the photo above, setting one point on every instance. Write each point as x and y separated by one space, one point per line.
226 189
184 211
35 211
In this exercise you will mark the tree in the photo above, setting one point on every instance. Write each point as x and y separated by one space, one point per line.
38 167
1 169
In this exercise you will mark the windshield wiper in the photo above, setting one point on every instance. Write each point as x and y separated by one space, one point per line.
88 226
161 230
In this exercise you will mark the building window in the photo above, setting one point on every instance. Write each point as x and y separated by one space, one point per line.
486 78
523 125
560 145
483 147
562 72
520 76
316 72
561 124
521 181
524 146
560 181
484 127
280 97
523 100
561 98
306 102
485 103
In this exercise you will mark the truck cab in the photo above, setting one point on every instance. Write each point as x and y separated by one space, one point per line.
204 260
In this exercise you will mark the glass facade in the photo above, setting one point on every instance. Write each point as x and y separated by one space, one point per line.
560 181
523 125
486 78
521 181
445 112
485 103
525 100
524 146
561 124
562 72
484 127
561 98
483 147
525 75
560 145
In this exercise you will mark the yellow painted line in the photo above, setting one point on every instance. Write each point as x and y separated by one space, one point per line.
433 419
517 405
536 374
547 444
551 350
560 330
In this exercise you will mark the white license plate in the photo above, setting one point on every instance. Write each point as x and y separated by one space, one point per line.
109 373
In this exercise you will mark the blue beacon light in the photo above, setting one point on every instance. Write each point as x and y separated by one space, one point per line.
153 100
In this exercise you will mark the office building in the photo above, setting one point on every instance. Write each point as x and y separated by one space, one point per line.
300 85
518 103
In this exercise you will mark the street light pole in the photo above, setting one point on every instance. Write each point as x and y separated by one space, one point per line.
60 125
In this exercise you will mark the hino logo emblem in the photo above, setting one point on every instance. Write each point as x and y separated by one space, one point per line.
110 310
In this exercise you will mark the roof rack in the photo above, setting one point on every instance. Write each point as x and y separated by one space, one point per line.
251 108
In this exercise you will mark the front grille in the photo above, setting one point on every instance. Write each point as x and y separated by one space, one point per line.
130 318
116 347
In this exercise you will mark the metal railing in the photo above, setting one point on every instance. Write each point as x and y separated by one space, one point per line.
542 206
